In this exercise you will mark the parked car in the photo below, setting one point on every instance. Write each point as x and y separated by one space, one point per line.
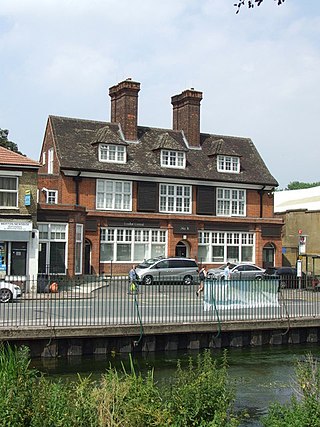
183 270
9 291
287 276
237 272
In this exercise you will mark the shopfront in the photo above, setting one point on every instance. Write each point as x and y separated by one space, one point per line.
18 249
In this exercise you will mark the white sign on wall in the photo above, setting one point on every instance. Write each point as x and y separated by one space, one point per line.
16 225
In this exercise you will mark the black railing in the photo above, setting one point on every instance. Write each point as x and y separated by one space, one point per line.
54 301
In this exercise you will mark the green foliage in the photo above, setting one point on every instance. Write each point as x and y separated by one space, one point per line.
296 185
198 396
16 384
4 142
303 410
201 395
127 399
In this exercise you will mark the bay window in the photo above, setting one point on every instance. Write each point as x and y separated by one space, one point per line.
223 246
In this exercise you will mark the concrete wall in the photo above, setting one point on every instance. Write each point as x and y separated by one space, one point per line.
91 341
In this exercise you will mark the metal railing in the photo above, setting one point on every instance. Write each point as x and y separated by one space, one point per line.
110 301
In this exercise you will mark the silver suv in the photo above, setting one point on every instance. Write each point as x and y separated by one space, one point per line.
183 270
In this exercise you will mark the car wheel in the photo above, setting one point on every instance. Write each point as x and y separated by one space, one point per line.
148 280
187 280
5 295
258 277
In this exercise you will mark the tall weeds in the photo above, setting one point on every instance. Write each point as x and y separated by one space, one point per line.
197 396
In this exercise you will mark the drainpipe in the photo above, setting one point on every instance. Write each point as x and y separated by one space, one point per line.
77 179
261 200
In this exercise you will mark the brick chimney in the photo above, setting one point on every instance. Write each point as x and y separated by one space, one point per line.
124 107
186 115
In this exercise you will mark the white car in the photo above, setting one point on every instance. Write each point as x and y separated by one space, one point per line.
9 292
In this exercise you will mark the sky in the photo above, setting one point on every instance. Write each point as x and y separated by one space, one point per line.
259 70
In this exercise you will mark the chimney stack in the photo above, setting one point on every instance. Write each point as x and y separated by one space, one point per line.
186 115
124 107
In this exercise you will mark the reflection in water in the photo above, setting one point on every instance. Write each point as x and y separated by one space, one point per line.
262 374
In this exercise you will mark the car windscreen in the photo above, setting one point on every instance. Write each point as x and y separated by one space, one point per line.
143 265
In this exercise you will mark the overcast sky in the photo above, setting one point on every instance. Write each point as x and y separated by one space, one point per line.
259 70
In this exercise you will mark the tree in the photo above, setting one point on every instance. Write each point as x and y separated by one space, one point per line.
4 142
296 185
252 3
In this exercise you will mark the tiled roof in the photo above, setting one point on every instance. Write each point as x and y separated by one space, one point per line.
10 158
74 137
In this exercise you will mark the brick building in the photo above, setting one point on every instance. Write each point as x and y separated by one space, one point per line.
114 193
18 216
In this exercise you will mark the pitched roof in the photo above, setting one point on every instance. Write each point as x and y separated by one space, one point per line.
73 138
12 159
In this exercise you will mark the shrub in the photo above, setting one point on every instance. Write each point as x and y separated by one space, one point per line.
198 396
201 395
16 386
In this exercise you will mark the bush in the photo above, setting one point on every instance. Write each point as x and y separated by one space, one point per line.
201 395
198 396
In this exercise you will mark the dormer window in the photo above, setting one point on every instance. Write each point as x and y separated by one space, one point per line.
112 153
228 164
173 159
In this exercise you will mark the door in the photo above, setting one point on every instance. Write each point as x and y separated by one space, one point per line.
18 258
181 249
268 255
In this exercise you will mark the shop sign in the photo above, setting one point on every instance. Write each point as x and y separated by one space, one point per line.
133 223
15 226
185 228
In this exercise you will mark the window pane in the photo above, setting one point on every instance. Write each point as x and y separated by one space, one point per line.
123 252
158 250
106 252
203 254
247 254
233 253
57 257
217 253
140 251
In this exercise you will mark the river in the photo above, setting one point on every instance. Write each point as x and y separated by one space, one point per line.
262 374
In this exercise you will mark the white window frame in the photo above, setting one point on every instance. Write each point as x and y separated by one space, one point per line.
153 241
231 202
15 192
113 195
173 198
52 197
173 159
112 153
78 250
54 232
50 161
230 164
224 240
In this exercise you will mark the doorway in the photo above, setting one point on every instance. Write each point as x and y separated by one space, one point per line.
268 255
182 249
